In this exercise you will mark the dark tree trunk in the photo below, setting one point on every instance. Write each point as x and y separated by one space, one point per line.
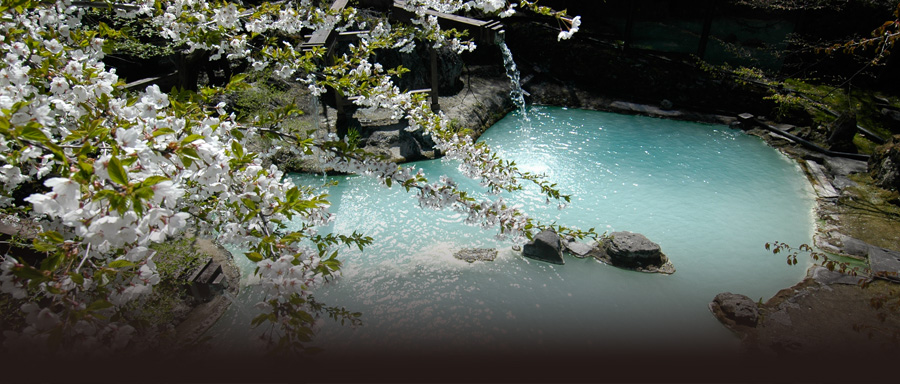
842 132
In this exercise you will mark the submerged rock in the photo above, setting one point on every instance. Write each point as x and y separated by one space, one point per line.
545 247
634 251
734 309
476 254
580 250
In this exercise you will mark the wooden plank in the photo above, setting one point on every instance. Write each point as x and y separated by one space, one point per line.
209 273
193 277
321 37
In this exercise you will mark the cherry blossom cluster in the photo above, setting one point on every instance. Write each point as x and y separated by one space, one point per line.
111 172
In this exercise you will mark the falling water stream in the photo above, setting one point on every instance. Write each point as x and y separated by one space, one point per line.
516 93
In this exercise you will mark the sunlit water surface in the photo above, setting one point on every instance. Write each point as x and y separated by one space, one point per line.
710 196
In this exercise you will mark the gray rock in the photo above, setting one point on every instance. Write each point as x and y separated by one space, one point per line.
394 143
633 250
826 277
891 114
884 263
885 164
735 309
843 182
841 166
580 249
476 254
855 247
545 247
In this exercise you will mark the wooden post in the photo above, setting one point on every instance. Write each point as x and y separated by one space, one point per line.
435 82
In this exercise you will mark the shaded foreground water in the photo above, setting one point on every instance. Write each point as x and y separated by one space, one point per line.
710 196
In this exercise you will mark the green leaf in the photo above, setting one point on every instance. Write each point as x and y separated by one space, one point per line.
250 203
237 149
43 246
121 264
53 261
191 139
117 172
163 131
153 180
52 236
77 278
27 272
261 318
254 256
98 305
190 152
33 133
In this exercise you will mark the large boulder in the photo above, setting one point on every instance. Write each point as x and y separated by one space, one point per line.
885 164
734 309
546 246
635 251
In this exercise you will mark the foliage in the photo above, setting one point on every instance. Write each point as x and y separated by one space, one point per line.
824 259
789 5
881 41
107 173
795 98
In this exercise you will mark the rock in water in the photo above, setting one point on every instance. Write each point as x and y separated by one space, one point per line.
545 247
476 254
635 251
733 309
580 250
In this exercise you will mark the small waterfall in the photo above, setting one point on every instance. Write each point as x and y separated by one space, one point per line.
517 93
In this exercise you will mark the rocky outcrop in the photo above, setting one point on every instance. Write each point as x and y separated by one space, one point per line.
885 164
397 145
476 254
826 314
449 66
546 246
734 309
884 263
483 101
634 251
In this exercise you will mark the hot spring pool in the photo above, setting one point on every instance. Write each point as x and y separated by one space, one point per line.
710 196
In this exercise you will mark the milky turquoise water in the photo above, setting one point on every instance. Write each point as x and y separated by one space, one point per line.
710 196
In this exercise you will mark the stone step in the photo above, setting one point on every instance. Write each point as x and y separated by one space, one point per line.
822 186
